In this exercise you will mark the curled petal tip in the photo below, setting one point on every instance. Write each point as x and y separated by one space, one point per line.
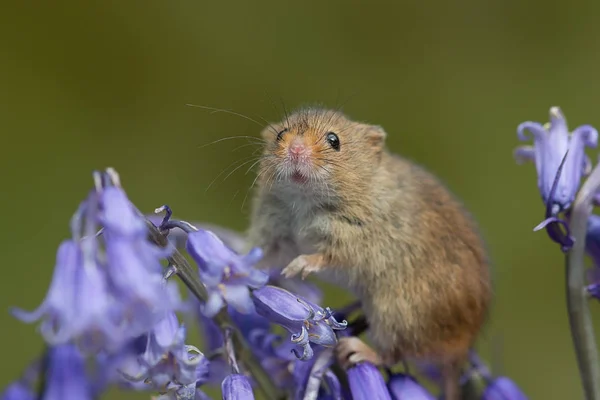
522 154
588 134
535 128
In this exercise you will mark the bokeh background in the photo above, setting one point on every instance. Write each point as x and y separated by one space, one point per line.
87 85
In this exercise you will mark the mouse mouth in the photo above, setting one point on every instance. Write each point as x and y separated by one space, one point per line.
298 177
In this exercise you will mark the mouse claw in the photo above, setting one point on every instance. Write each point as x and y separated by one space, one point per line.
351 351
304 264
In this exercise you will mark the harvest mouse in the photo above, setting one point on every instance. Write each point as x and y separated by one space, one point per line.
332 200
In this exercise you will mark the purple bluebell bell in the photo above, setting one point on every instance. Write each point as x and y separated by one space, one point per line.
18 390
166 364
78 303
551 143
66 376
405 387
592 239
236 387
227 275
366 383
503 388
133 263
106 288
592 248
307 322
314 377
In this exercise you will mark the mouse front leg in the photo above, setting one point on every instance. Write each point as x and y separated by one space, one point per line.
351 350
304 264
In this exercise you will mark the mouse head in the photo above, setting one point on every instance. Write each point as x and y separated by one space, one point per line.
320 148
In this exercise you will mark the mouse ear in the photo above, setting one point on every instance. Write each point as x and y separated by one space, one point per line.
375 135
270 131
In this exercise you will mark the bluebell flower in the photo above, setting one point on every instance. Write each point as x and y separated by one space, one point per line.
314 377
307 322
133 263
166 364
18 390
237 387
503 388
592 248
106 289
405 387
66 377
78 303
592 239
551 144
228 276
366 382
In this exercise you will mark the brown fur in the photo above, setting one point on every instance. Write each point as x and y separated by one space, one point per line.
386 228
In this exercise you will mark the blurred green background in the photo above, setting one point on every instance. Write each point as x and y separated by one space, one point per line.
87 85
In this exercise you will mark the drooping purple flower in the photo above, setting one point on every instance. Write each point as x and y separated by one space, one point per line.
78 303
405 387
503 388
366 382
166 364
592 239
227 275
133 263
66 376
106 288
17 390
307 322
236 387
592 247
551 143
314 377
561 163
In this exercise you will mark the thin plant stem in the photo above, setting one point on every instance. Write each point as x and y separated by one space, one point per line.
582 330
189 276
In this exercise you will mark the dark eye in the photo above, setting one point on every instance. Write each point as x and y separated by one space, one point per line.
280 134
333 141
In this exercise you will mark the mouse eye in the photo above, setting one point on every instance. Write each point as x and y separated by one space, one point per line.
280 134
333 141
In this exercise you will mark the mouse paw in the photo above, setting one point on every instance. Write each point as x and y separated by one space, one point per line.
304 264
351 351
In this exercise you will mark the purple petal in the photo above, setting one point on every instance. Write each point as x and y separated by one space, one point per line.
213 305
592 240
333 384
366 383
237 387
280 306
166 330
523 154
68 259
322 334
503 389
211 333
66 375
535 128
238 296
250 322
118 215
406 387
17 391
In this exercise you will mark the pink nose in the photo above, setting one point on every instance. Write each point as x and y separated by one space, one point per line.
297 149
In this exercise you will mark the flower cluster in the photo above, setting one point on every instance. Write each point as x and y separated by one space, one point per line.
561 162
111 318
